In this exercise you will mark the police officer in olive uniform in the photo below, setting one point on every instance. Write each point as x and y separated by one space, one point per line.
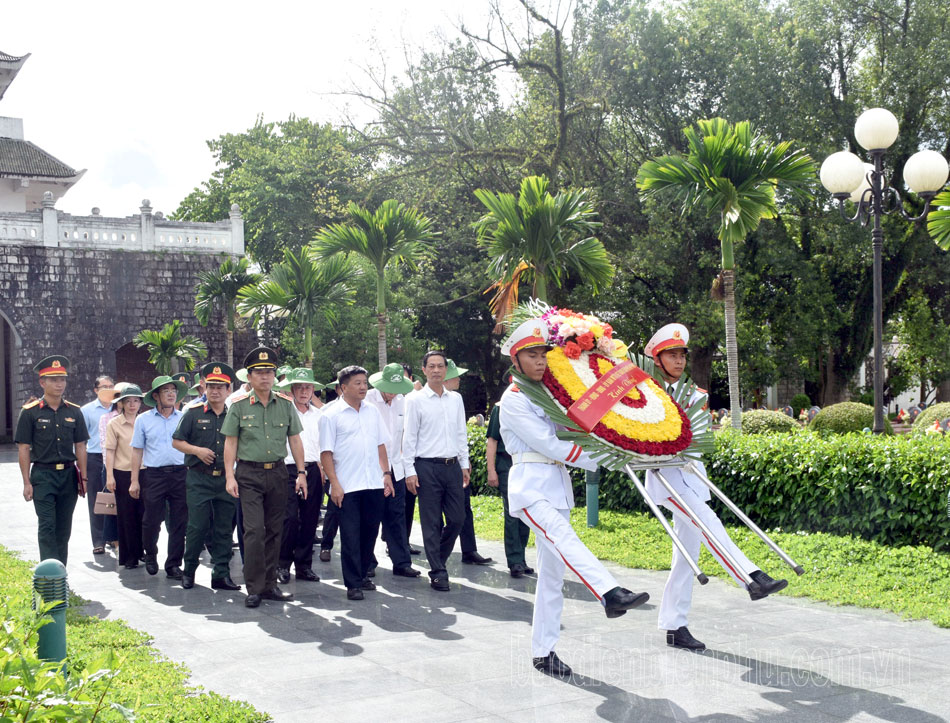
258 426
210 507
51 434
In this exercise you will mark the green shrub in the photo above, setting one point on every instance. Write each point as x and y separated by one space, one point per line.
926 418
764 421
476 455
846 417
800 402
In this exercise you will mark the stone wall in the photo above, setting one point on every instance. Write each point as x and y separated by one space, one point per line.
88 303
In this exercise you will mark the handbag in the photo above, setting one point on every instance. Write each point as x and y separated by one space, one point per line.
105 504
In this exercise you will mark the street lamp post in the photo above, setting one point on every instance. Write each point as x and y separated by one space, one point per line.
847 177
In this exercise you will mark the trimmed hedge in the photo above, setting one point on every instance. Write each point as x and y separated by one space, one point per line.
892 490
925 420
765 421
800 402
846 417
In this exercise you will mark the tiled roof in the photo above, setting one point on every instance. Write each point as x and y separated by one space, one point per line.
10 58
22 158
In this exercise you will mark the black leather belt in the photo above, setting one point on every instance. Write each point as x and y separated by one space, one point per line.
260 465
169 468
208 469
53 465
438 460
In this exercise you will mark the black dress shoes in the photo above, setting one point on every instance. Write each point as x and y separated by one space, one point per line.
187 581
151 565
473 558
516 570
275 593
368 584
324 556
764 585
619 600
283 575
132 565
440 583
308 575
552 665
224 583
407 571
414 551
682 638
174 573
354 593
528 570
252 601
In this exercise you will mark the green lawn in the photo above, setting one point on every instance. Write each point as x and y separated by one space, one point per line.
913 581
155 688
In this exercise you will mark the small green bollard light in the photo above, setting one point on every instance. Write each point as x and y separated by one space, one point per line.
50 586
593 496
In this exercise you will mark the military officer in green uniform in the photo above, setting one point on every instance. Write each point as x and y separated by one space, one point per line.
51 435
258 427
210 507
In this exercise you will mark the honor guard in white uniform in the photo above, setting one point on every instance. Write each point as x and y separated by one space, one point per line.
668 349
540 494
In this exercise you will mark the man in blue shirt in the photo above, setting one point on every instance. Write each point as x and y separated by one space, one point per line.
92 412
163 476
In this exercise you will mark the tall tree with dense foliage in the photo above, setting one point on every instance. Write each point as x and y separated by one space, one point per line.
392 236
303 290
218 289
731 173
169 350
542 238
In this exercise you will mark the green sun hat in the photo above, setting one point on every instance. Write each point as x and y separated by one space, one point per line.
283 371
391 380
452 371
193 390
241 374
128 390
161 381
300 375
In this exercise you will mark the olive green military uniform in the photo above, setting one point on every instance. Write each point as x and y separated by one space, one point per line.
516 532
52 434
210 507
262 432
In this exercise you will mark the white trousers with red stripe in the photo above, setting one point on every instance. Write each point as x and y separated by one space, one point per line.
559 548
678 593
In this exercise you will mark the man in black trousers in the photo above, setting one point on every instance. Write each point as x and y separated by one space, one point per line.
435 456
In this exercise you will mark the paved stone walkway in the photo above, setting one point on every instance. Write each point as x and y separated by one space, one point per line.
410 653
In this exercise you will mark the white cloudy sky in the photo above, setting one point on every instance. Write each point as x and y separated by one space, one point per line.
131 91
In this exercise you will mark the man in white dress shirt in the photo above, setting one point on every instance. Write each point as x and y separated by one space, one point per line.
668 349
540 494
435 456
388 396
353 454
303 514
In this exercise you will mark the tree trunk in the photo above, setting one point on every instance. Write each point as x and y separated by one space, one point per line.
308 345
700 367
381 316
732 348
229 334
943 391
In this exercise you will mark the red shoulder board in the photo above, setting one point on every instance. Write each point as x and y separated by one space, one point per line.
239 397
514 388
284 396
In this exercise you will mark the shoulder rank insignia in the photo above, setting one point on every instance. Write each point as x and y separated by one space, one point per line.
284 396
30 405
195 404
71 404
240 397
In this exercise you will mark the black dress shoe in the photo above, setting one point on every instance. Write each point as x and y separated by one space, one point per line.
528 570
682 638
324 556
252 601
414 551
224 583
283 575
132 565
552 665
516 570
368 584
275 593
473 558
440 583
308 575
619 600
764 585
151 566
173 573
187 581
354 593
407 571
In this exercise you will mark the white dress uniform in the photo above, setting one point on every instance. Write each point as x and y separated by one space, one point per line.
678 593
540 494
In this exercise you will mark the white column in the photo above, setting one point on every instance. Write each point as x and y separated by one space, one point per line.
147 226
237 230
50 220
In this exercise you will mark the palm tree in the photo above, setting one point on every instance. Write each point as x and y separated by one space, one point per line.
938 220
218 288
731 172
540 237
169 348
302 290
390 236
